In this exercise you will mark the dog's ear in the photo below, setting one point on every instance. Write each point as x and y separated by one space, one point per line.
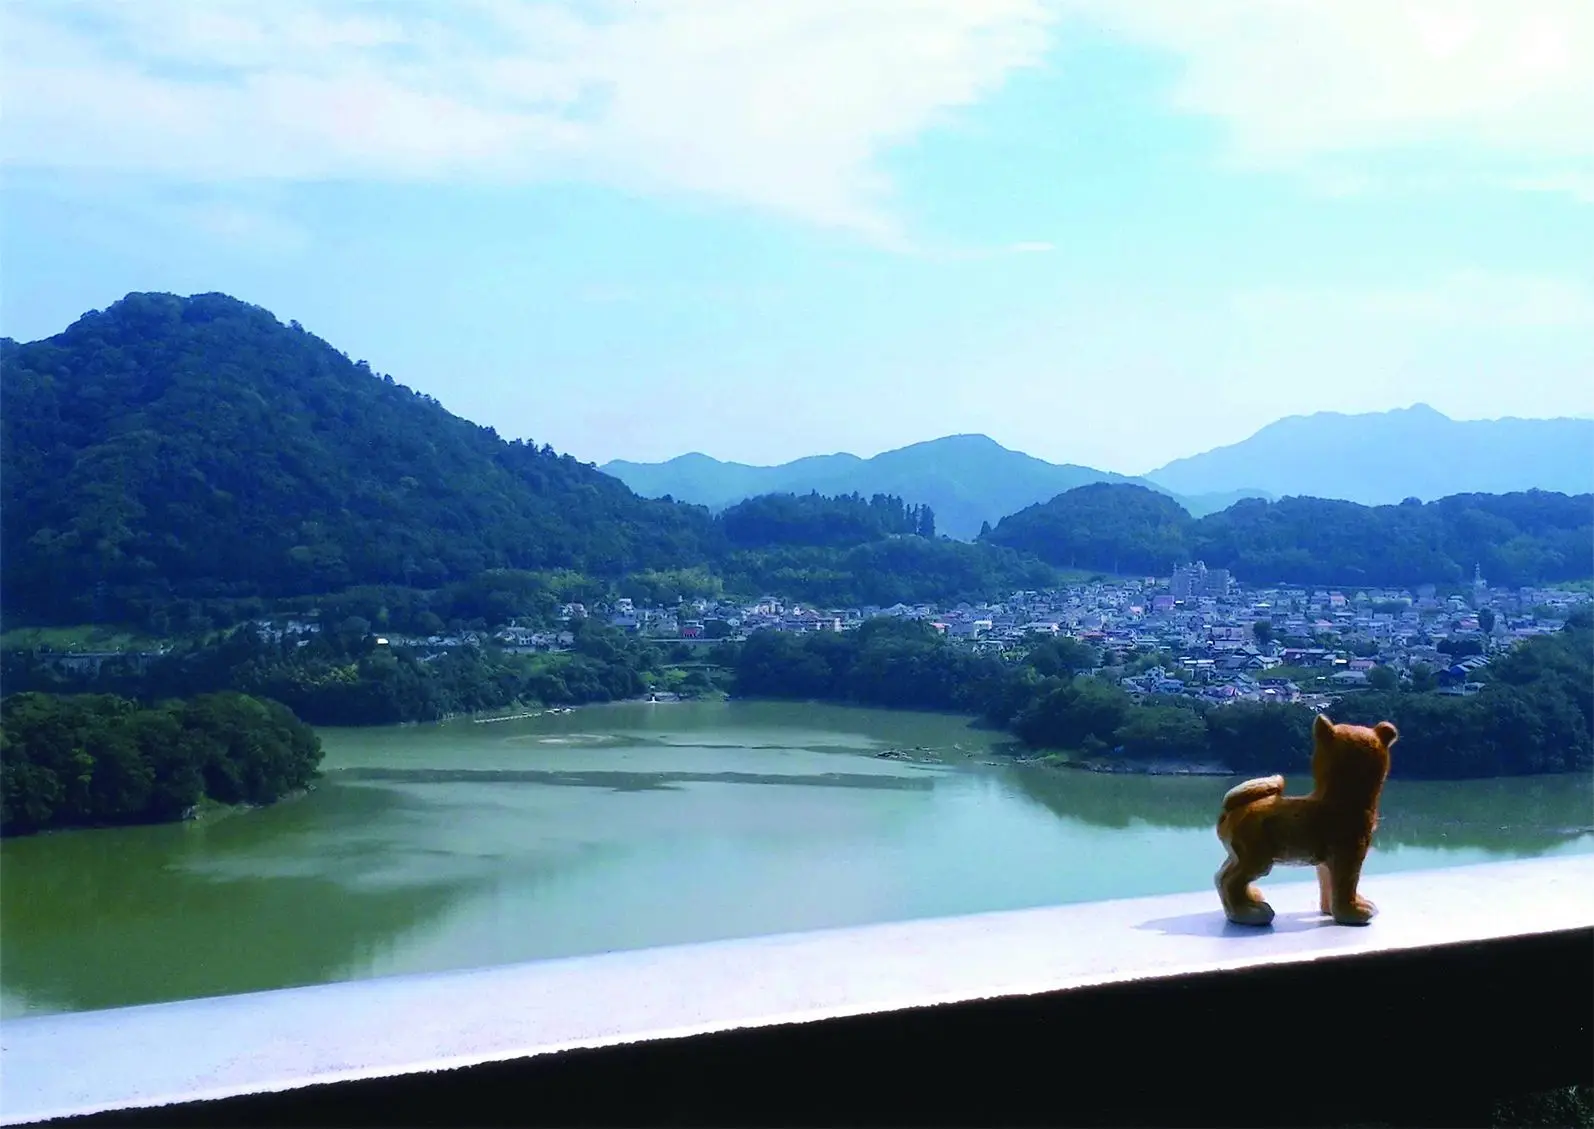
1387 733
1322 728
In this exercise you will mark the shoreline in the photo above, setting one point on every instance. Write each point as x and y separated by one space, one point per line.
202 814
1126 767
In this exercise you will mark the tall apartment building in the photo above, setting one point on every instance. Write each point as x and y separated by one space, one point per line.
1191 581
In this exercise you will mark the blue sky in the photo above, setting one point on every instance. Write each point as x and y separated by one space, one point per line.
1112 232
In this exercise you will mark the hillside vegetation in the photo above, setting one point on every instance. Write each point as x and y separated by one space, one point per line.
170 460
1535 714
98 759
1533 537
199 445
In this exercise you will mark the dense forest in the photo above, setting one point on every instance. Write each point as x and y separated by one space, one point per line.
1535 714
136 435
98 759
818 520
131 439
1533 537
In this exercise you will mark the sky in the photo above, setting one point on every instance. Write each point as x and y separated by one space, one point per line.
1107 232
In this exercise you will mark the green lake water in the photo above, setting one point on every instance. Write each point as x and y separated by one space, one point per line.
459 845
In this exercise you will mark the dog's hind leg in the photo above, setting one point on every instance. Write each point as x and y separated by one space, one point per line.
1242 902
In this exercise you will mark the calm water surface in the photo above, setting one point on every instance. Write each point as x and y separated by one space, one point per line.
465 844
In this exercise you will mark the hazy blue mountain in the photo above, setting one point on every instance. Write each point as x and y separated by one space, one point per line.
1384 457
966 479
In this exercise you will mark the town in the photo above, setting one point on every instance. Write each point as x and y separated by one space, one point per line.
1199 633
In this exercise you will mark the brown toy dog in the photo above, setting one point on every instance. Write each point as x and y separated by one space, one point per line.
1330 829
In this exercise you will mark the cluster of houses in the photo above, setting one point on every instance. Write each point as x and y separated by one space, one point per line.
1212 637
1218 640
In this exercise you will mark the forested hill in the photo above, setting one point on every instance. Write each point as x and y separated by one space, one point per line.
169 452
1525 538
197 446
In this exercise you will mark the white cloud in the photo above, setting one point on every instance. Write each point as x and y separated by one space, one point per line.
1502 89
1578 185
1032 247
244 226
1469 299
782 106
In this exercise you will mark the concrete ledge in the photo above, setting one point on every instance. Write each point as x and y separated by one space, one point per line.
1475 981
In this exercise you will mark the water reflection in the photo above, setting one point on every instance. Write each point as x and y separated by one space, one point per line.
450 846
113 917
1513 817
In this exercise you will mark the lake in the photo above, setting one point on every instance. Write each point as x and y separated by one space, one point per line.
464 844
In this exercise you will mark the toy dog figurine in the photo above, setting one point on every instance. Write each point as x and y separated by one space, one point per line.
1330 829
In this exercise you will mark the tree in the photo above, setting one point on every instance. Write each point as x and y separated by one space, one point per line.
1423 678
1062 655
1068 713
1383 677
1260 736
1486 620
139 435
89 759
1262 629
1163 732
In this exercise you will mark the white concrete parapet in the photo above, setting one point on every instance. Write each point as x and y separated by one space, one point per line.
161 1054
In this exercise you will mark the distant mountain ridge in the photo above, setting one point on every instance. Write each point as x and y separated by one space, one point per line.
1381 458
1528 537
1373 458
967 480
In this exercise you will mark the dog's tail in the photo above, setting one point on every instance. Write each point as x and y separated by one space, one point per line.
1243 795
1252 791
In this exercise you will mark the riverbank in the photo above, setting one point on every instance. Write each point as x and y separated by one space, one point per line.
208 811
530 710
202 814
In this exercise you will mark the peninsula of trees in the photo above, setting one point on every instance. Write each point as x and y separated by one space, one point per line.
99 759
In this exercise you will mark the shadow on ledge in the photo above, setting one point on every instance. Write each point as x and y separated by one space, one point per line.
1440 1037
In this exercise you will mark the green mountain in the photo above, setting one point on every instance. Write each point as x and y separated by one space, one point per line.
198 447
175 461
1385 457
169 460
1531 537
968 480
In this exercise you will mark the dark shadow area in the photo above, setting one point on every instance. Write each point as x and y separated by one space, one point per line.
1214 925
1440 1037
